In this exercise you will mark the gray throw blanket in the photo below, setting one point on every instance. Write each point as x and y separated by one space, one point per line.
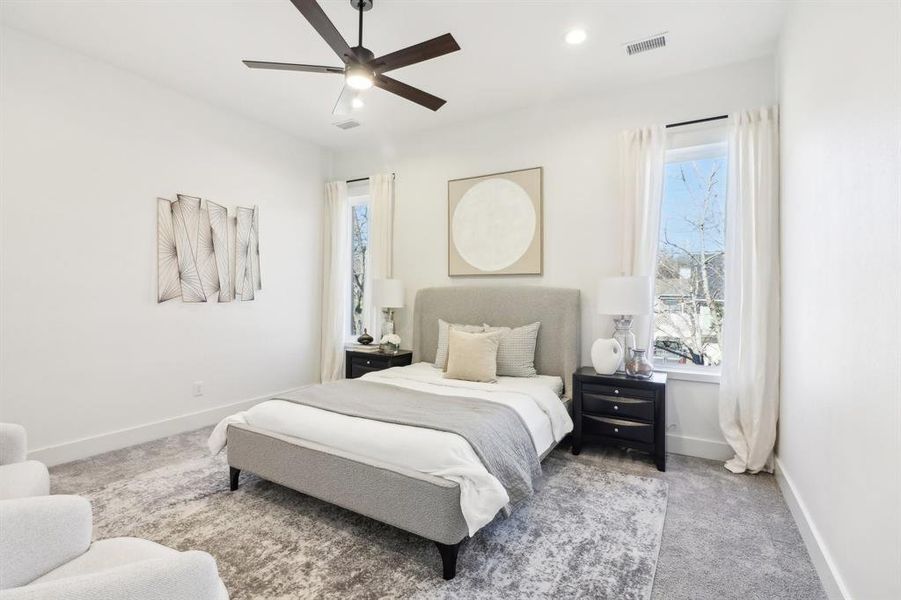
496 432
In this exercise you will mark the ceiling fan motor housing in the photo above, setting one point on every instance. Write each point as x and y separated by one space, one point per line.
362 55
366 4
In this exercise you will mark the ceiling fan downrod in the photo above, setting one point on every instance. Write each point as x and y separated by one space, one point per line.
361 6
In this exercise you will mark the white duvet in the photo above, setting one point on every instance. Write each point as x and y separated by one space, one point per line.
438 453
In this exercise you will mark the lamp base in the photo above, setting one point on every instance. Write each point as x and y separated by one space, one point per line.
623 334
387 322
387 329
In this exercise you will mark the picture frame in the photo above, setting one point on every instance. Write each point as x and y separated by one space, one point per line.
495 224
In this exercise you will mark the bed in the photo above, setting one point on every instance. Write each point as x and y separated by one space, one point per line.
285 444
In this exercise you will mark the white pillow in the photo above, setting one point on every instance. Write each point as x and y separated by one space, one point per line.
516 350
472 356
443 327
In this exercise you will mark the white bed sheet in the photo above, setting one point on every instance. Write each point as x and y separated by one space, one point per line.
541 412
438 453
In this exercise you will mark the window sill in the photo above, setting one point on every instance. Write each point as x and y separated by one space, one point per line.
697 374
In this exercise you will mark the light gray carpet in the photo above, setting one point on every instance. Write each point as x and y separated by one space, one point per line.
725 536
589 533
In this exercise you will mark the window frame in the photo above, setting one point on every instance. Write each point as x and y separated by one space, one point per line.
695 143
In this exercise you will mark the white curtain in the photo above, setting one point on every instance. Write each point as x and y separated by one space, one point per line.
381 243
335 280
749 387
643 154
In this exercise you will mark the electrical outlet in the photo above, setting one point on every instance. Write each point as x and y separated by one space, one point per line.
198 388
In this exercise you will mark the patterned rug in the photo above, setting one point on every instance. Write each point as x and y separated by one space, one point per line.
586 534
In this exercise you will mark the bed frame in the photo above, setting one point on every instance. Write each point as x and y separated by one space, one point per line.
422 504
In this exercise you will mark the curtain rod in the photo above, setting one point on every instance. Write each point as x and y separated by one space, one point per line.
394 175
697 121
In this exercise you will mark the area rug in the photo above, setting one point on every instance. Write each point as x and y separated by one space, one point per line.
587 534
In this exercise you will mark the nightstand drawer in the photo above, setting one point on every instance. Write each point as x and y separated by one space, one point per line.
617 392
358 363
622 407
370 363
631 431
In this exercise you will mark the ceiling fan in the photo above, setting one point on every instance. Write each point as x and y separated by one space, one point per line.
362 69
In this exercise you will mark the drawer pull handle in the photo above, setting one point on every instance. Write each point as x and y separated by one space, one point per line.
368 362
615 407
615 391
616 430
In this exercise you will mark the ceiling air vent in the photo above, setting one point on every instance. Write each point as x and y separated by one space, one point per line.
348 124
651 43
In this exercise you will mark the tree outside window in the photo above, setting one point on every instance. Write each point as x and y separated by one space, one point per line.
358 256
688 309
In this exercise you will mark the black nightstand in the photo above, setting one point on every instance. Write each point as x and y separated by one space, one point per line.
360 362
621 411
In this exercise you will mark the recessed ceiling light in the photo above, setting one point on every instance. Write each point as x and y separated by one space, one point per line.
576 36
357 102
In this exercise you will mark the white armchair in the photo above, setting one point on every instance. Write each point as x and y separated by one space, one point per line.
46 553
19 478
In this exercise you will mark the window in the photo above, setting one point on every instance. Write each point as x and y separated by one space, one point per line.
359 257
688 308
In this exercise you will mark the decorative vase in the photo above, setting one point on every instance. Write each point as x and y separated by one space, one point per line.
638 365
389 348
365 338
606 356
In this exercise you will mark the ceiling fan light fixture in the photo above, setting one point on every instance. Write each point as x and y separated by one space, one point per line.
358 77
575 36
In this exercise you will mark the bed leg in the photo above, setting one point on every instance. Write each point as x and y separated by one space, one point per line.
449 558
233 475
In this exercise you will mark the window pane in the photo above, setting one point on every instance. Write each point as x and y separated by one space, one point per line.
359 250
688 311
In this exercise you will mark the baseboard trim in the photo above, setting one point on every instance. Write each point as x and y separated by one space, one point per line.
822 560
122 438
700 447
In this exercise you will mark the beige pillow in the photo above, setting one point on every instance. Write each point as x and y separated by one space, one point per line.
472 356
443 328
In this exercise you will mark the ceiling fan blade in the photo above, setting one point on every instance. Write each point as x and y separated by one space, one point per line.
279 66
343 106
408 91
313 13
433 48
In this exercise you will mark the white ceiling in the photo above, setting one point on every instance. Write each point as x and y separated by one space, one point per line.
513 53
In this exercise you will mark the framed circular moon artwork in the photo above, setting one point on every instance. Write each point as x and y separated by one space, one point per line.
494 224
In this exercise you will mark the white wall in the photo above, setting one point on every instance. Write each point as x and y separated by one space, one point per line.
86 350
840 422
577 144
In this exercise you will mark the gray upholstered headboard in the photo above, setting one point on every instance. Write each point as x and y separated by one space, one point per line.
559 346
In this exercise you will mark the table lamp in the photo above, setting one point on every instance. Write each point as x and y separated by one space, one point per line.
623 298
388 294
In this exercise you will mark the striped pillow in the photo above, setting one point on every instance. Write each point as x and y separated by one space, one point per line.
443 328
516 350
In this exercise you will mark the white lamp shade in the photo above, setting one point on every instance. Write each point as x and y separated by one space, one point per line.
624 296
388 293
